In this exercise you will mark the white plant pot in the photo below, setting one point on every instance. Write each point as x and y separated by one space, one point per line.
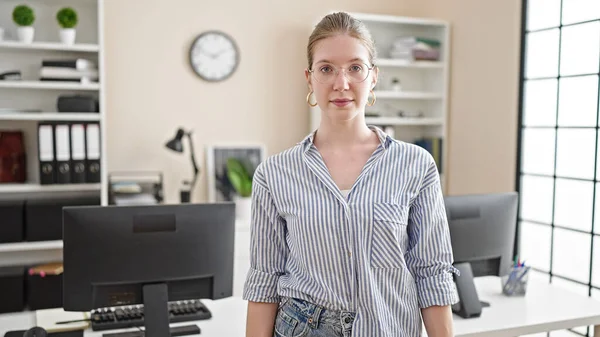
25 34
243 208
67 36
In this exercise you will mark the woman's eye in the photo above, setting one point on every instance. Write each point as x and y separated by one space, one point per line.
355 68
325 69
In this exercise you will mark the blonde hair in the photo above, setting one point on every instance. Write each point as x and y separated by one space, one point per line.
337 24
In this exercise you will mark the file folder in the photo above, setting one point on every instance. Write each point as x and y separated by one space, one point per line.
78 171
46 153
93 152
63 153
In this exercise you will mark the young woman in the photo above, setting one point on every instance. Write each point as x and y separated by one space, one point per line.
349 235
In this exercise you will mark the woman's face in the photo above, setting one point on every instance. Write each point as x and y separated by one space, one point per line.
340 77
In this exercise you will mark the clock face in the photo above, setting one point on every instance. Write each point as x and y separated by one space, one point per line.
214 56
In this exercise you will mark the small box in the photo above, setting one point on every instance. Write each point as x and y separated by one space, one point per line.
12 292
11 213
44 288
43 217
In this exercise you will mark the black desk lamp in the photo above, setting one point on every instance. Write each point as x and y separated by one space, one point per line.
176 144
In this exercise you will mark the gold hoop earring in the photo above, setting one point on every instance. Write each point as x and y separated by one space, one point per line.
370 103
308 100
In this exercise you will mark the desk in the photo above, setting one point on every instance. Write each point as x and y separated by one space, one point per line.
229 319
545 308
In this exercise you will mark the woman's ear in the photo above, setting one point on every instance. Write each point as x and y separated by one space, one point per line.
308 80
375 77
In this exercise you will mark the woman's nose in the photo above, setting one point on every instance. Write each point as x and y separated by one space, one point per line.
341 81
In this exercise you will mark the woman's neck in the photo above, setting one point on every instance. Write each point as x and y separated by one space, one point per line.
343 134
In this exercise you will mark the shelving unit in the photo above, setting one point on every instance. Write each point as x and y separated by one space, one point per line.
404 121
407 95
30 246
30 93
409 64
37 188
43 46
424 84
50 116
48 85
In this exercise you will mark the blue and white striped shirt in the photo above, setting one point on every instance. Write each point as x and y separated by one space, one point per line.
383 251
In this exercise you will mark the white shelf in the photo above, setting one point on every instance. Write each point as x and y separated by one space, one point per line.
30 246
406 95
32 187
87 48
49 85
409 64
367 17
404 121
49 116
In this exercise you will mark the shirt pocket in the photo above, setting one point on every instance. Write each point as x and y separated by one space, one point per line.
389 239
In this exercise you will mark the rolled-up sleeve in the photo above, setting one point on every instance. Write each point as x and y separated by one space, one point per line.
268 248
429 256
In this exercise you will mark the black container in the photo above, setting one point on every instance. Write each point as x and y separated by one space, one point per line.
44 292
12 293
77 103
11 226
43 217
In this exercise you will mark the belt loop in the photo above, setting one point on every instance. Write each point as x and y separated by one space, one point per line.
313 321
283 301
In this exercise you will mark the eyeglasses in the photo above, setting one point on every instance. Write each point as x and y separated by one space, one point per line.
355 73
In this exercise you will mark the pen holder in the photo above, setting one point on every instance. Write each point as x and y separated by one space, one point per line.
514 283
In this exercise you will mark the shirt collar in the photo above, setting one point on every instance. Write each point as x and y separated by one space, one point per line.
384 138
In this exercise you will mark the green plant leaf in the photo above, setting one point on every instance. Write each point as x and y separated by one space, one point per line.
239 177
23 15
236 181
67 17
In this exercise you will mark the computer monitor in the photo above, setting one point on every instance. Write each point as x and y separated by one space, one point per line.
482 230
150 255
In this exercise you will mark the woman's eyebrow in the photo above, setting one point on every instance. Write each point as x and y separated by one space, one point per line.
353 60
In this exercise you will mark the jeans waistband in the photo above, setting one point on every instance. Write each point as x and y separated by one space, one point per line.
318 314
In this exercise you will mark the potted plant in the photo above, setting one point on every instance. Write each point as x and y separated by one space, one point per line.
241 180
67 19
23 16
396 84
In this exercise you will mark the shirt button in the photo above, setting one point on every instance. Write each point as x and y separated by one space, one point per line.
349 254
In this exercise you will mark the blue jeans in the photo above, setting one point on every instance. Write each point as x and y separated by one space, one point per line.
299 318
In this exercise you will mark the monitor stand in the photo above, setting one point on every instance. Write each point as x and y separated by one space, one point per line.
469 305
156 310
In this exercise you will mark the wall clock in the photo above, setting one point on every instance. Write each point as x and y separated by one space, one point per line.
214 56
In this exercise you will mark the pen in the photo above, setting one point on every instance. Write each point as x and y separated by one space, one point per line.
74 321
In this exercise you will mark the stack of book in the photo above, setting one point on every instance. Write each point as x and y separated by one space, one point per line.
69 70
434 146
415 48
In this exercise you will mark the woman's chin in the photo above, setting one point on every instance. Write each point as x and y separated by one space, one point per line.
341 115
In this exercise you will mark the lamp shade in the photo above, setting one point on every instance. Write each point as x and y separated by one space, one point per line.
176 143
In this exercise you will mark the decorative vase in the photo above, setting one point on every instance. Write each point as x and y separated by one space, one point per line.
243 208
25 34
67 36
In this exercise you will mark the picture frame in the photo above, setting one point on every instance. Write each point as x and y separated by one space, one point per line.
219 189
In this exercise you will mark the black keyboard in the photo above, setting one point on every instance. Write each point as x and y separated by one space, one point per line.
133 316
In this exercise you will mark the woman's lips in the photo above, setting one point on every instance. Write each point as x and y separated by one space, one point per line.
341 102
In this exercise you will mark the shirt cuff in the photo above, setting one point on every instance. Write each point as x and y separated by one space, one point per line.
261 287
437 290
